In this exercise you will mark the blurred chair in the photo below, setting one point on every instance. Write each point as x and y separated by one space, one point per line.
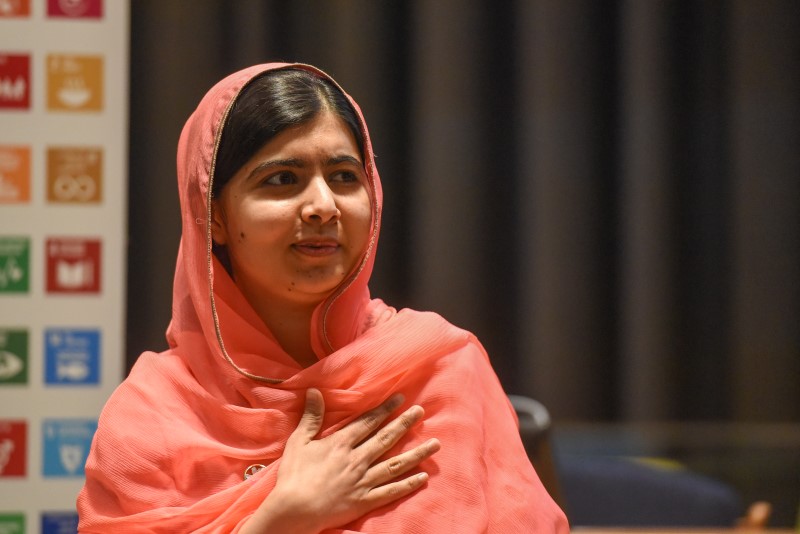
534 429
602 491
626 492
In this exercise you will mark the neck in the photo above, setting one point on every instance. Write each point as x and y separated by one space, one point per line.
291 326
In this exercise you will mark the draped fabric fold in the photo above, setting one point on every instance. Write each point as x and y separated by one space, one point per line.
176 438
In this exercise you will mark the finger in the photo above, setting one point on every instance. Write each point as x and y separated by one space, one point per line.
363 426
311 420
383 495
389 435
392 468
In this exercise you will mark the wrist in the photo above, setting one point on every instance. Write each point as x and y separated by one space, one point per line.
277 514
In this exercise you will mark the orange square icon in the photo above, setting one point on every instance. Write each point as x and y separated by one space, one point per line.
15 8
74 82
74 174
15 174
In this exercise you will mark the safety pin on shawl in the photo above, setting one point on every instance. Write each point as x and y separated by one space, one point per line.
253 469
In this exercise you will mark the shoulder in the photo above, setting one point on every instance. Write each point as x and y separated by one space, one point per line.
157 381
468 343
423 330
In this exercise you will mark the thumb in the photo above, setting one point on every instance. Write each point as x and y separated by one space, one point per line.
311 421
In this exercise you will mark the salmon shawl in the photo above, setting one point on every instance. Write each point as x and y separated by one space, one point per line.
176 437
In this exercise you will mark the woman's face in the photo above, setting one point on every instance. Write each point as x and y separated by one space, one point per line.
296 217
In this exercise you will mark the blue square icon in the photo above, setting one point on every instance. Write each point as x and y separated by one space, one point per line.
65 446
59 522
72 356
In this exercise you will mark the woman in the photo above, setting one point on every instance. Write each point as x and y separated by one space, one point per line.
268 412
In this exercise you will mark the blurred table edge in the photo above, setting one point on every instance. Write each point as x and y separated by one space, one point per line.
680 530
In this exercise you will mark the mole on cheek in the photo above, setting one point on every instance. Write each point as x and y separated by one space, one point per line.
241 236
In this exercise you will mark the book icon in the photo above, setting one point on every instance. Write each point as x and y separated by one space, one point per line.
74 275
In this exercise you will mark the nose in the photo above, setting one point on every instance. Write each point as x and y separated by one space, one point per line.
319 204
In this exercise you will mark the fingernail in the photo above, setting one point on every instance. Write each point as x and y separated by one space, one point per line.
422 477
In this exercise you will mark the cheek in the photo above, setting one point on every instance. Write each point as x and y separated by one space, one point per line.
362 219
260 221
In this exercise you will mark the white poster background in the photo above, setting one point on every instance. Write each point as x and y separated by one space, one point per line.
36 402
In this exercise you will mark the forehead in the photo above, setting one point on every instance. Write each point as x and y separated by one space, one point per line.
326 133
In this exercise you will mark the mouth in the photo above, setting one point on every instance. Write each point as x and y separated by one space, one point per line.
317 247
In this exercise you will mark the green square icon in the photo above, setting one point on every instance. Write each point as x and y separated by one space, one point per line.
12 523
15 253
13 357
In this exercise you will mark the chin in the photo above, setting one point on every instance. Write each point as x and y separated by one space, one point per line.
322 286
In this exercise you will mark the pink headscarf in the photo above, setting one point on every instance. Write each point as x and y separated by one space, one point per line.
175 438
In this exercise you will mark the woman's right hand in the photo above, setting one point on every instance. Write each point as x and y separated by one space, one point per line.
329 482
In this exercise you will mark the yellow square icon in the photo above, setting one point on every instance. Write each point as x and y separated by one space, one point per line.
74 174
74 82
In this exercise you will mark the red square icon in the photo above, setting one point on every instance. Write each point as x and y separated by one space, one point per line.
15 81
73 265
13 448
84 9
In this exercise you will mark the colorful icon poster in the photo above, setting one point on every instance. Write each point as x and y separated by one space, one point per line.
15 253
74 82
15 174
13 356
15 81
65 446
72 356
15 8
73 265
74 175
13 448
64 102
75 9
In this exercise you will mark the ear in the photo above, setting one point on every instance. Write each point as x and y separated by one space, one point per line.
219 232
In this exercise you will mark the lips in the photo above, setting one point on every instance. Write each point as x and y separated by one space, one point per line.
317 247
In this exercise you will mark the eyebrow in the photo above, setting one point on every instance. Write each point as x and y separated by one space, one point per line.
299 164
336 160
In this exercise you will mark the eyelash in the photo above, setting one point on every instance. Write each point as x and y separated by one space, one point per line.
278 175
346 177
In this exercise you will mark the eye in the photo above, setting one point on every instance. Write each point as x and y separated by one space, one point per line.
344 176
280 178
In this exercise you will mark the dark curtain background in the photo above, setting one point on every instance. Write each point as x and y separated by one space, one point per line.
606 193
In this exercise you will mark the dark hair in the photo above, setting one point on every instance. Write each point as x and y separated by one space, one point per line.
269 104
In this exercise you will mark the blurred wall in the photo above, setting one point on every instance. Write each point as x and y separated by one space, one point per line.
607 194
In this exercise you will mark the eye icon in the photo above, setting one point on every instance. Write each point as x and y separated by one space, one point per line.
10 364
